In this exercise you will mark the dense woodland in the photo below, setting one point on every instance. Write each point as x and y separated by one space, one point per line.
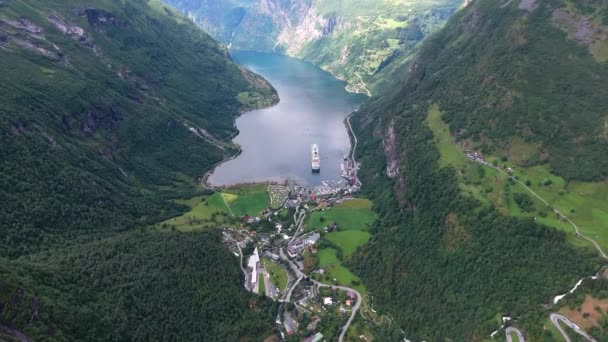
444 265
96 101
504 72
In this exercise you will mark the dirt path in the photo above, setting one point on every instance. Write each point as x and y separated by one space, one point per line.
227 206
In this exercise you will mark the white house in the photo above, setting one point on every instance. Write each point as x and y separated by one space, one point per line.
254 259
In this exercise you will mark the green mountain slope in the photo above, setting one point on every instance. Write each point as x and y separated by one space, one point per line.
107 110
356 40
460 243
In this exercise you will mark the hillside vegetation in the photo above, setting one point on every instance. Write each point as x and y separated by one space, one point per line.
108 109
360 41
512 81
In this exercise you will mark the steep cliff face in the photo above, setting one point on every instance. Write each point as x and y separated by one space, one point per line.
358 41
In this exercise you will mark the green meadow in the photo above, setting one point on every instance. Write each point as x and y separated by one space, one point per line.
355 214
586 204
278 275
334 269
247 200
206 212
348 240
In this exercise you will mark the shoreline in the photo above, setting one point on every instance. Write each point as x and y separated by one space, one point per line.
205 178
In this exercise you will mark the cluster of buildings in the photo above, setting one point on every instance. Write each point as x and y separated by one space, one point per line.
296 247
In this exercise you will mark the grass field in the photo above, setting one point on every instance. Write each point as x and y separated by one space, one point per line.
247 200
206 212
584 203
354 218
349 240
355 214
261 285
335 270
327 256
278 275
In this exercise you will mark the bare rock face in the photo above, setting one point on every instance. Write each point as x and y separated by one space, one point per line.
528 5
23 34
74 31
390 150
23 24
583 29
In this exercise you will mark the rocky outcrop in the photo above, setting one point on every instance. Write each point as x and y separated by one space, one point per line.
73 31
389 142
22 33
579 28
23 24
586 30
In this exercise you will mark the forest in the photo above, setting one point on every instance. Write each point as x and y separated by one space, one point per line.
135 286
105 112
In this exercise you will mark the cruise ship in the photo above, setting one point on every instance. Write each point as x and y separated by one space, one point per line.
316 159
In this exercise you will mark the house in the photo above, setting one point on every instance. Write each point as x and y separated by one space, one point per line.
313 238
318 337
328 301
351 295
349 302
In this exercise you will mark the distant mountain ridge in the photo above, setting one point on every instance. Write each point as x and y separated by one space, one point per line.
358 41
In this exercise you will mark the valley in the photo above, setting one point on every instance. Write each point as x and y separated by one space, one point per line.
155 175
361 42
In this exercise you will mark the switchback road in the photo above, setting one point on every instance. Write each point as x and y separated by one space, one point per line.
556 318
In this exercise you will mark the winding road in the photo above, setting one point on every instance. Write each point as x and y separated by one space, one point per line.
354 151
556 318
301 276
241 262
517 332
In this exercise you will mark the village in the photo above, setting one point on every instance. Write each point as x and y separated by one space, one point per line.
277 254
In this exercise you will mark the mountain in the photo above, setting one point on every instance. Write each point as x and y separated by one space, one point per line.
358 41
109 109
502 107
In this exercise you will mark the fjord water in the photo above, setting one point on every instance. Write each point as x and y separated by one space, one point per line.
276 141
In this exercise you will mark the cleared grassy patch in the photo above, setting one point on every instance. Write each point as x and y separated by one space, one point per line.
349 240
278 275
247 200
261 285
584 203
450 153
335 270
207 212
355 214
327 256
